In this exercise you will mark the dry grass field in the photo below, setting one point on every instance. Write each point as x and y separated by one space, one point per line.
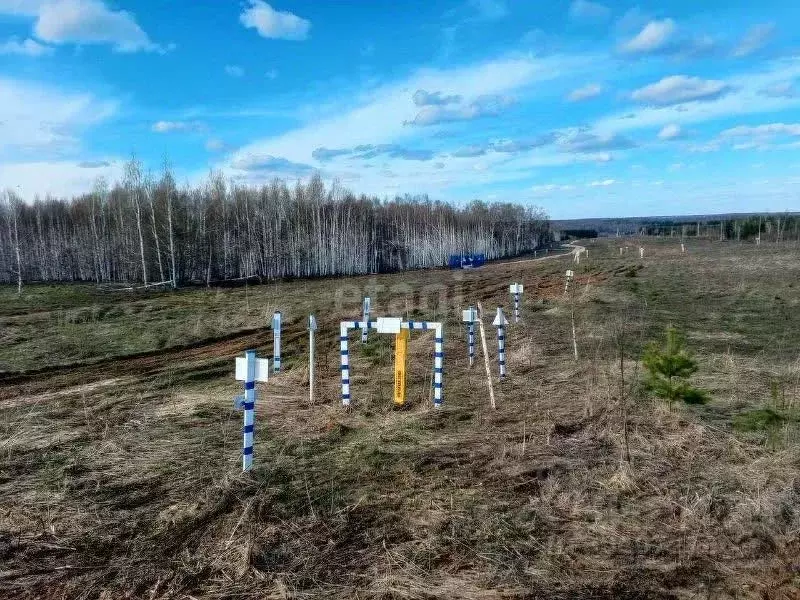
120 467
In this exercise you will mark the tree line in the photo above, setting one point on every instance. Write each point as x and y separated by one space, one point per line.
148 230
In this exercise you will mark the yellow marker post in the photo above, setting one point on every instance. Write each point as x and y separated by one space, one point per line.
400 351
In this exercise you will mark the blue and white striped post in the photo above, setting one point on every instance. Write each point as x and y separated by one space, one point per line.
249 369
249 411
516 289
438 366
393 325
276 341
365 330
345 362
469 317
500 322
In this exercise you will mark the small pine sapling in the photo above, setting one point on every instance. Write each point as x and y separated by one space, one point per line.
669 367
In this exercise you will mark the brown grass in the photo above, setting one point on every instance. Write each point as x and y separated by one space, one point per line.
122 478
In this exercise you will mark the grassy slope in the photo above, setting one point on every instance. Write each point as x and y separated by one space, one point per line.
123 475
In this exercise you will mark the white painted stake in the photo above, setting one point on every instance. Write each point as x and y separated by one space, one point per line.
620 250
312 328
641 252
683 248
516 289
570 274
365 330
469 317
276 341
486 357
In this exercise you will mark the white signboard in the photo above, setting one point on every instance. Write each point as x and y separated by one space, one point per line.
516 288
389 324
500 319
262 369
469 315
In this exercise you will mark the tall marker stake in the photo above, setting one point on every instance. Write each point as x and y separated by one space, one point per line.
486 357
516 289
312 328
365 330
469 317
249 369
276 341
400 352
500 322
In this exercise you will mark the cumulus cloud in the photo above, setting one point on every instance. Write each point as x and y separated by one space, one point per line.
424 98
671 132
234 70
274 24
755 39
483 106
584 9
215 145
678 89
652 38
602 183
88 22
591 90
26 47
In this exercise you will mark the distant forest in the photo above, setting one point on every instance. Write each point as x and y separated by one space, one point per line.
765 227
150 231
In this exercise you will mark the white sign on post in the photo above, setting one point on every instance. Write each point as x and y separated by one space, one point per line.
389 324
469 315
262 369
516 288
500 319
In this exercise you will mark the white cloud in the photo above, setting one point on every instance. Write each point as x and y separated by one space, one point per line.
678 89
26 47
271 74
763 131
41 120
591 90
60 178
489 105
173 126
274 24
671 132
234 70
378 115
85 22
602 183
755 39
654 37
782 89
745 97
584 9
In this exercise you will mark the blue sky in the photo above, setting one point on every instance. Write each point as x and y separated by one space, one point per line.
584 108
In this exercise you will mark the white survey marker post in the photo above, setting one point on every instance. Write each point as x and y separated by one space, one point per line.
276 341
516 289
312 328
470 316
249 369
500 322
365 330
570 275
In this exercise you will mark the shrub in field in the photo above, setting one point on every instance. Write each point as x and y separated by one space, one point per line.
669 366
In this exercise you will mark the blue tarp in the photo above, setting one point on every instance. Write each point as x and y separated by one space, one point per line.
466 261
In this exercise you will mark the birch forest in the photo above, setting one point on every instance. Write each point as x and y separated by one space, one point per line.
148 231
